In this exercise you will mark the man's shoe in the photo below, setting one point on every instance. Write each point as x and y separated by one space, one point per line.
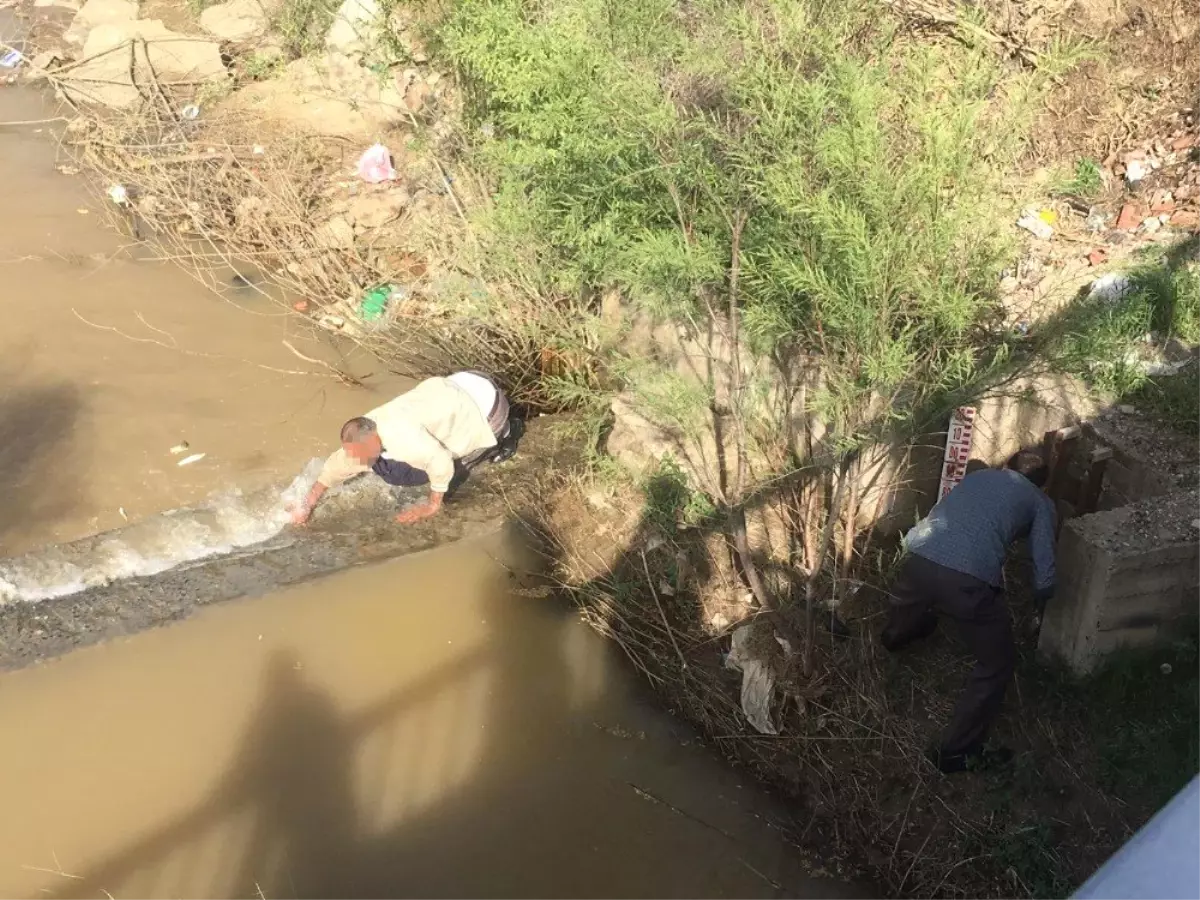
507 448
981 760
893 642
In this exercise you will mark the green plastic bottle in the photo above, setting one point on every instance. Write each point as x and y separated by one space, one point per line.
374 302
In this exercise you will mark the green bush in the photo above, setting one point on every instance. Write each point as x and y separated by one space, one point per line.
628 141
671 501
303 24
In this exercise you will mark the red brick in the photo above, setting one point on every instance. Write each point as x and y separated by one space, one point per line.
1131 216
1097 256
1186 218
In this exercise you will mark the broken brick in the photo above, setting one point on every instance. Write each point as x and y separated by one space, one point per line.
1162 202
1186 218
1184 143
1097 256
1131 216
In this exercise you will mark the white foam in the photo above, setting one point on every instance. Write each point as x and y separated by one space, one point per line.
154 545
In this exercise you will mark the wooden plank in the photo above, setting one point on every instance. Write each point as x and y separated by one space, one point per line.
1060 447
1065 510
1093 485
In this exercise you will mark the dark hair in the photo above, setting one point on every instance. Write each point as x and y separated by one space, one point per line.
1031 464
356 429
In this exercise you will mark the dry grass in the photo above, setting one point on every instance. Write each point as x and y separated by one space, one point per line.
851 741
241 203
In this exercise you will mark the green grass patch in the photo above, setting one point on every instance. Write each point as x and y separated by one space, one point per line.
1103 341
1085 182
671 501
1138 716
259 66
1142 712
1172 399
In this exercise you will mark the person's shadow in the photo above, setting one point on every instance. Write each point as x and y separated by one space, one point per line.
295 766
489 835
492 834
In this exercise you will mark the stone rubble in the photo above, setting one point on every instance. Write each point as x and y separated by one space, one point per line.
117 53
238 21
99 12
1151 197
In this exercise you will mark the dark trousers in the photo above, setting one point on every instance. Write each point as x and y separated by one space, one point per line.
923 591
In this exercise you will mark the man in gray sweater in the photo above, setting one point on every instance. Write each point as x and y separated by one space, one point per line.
954 568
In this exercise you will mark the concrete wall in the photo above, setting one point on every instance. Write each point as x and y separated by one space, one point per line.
1127 577
1130 475
895 485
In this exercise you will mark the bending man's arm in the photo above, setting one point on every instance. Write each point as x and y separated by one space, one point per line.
1041 548
338 468
423 451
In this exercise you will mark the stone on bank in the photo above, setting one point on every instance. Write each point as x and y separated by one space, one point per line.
238 21
121 56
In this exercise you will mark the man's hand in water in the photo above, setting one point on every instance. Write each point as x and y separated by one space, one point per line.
302 510
422 510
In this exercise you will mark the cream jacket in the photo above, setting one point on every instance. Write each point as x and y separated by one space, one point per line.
428 427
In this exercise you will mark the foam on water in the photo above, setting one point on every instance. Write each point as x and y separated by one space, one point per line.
154 545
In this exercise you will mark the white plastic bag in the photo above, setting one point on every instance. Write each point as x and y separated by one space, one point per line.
758 680
375 165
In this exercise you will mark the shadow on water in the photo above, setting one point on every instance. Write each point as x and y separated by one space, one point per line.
486 772
39 477
295 767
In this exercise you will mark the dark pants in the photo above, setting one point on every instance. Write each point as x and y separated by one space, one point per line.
923 591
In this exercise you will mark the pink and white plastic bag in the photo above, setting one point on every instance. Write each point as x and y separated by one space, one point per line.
375 165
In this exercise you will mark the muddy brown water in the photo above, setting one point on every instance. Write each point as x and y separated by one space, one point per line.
423 727
428 726
107 361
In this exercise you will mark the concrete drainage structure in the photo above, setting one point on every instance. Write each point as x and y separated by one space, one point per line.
1128 573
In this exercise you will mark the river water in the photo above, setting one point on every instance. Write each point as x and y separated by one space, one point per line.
107 361
427 726
423 727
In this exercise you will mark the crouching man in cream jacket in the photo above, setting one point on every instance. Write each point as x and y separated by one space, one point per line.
424 436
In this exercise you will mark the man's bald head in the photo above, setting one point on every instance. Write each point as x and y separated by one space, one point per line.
360 440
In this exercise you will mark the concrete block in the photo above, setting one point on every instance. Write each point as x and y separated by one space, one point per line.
1072 615
1127 577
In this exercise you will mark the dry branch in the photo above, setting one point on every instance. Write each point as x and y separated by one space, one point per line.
231 193
929 14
